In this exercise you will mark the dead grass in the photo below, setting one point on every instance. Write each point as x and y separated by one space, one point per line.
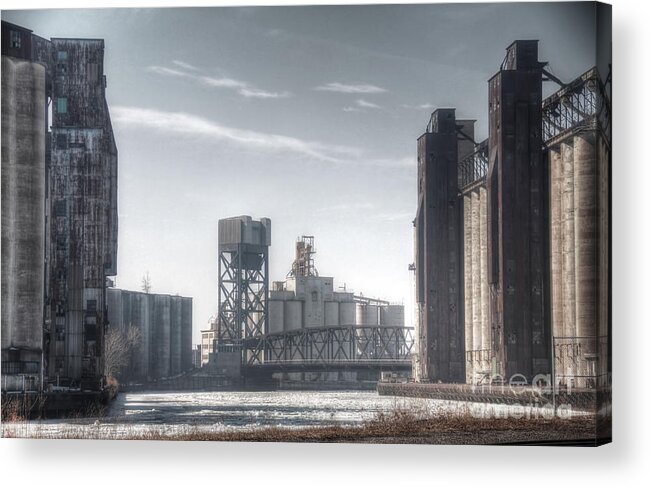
400 426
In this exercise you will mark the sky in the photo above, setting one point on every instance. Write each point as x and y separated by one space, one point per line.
306 115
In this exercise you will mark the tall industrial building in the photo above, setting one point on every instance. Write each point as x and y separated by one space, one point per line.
164 325
67 206
440 337
516 216
524 262
83 200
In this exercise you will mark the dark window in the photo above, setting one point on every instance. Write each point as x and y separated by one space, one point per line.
60 309
30 367
91 307
91 332
15 39
60 333
60 209
62 141
10 367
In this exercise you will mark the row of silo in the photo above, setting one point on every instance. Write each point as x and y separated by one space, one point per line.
164 323
476 297
287 313
390 315
579 204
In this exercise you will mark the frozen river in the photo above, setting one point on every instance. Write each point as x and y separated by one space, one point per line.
252 409
172 412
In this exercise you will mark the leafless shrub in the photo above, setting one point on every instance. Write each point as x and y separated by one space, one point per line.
117 350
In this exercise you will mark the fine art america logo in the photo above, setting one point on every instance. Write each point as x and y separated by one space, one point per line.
538 399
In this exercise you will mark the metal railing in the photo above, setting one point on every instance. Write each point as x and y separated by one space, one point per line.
581 362
474 167
581 102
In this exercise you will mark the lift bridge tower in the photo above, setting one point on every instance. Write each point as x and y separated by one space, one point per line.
243 288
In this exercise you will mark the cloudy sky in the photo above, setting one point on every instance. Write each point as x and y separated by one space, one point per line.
306 115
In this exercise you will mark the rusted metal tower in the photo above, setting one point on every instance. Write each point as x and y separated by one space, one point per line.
303 265
243 283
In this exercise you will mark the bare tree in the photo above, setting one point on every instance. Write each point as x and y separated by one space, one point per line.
146 283
117 349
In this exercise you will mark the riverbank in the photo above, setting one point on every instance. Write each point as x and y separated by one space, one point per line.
311 416
55 403
400 427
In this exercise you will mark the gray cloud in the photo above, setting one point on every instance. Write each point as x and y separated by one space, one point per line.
423 106
167 71
185 65
192 125
259 93
189 124
241 87
367 104
351 88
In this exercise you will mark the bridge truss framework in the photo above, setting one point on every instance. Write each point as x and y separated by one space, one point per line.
332 347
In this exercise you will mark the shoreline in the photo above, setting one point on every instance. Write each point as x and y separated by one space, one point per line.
394 429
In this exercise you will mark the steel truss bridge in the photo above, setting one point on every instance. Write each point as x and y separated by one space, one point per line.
332 349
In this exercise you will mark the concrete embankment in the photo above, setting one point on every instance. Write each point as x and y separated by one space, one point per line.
588 400
183 383
326 385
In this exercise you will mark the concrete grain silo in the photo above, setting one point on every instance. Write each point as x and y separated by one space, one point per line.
392 315
347 313
293 315
23 220
367 315
331 314
276 316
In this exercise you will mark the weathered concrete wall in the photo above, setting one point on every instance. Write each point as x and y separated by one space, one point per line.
175 336
186 333
585 224
477 336
483 275
568 241
604 328
23 219
468 286
556 239
476 292
161 341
